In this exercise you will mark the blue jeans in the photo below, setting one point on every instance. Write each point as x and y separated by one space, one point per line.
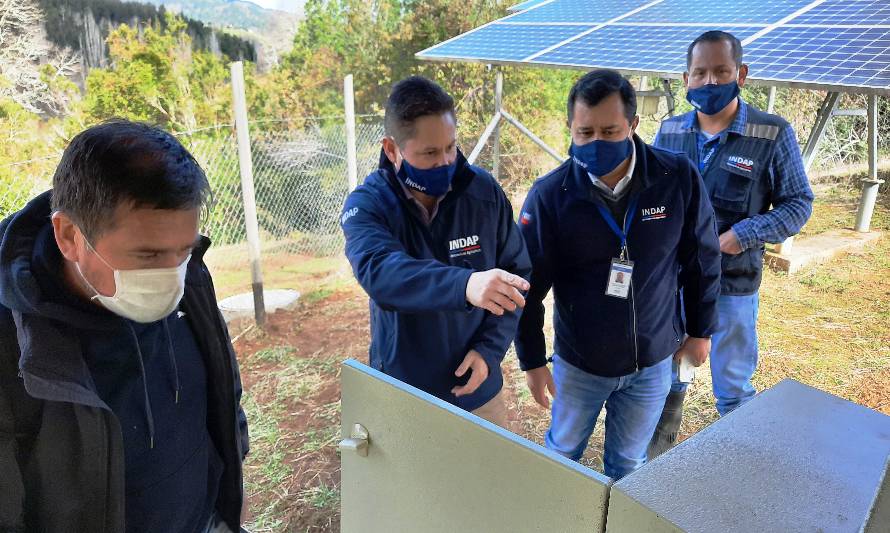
633 407
733 352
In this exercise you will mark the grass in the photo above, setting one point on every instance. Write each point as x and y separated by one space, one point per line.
231 271
274 355
265 467
825 326
316 440
321 497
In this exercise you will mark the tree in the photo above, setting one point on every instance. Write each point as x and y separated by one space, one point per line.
155 76
23 56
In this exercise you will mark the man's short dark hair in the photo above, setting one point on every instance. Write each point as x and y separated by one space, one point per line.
716 36
410 99
118 162
597 85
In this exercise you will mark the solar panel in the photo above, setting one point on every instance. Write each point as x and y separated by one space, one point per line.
500 41
856 57
847 12
638 48
525 5
824 44
578 12
722 12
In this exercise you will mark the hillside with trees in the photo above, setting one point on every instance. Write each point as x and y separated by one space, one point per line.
158 69
84 26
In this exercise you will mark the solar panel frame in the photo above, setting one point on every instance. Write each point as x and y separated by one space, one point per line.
474 45
525 5
639 54
776 67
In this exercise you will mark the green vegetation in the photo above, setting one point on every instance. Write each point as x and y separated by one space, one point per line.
70 23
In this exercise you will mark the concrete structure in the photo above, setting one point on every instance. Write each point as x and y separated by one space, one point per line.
819 249
792 459
879 515
242 305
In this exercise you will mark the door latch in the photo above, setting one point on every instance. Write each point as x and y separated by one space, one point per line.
357 442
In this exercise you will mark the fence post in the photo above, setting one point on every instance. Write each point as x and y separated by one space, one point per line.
496 134
351 158
871 183
771 100
245 160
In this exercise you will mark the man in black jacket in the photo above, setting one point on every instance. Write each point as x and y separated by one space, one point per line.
119 388
615 231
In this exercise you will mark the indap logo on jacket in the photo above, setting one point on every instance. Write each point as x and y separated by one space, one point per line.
464 246
654 213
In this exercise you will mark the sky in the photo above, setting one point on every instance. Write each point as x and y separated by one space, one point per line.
284 5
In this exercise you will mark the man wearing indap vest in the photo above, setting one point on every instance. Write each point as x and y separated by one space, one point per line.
609 230
755 176
432 241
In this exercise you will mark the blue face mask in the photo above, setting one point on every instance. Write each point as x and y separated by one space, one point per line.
432 181
711 99
601 157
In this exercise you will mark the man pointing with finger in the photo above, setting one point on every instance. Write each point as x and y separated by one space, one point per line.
432 241
612 230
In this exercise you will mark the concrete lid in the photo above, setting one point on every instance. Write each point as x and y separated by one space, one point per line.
792 459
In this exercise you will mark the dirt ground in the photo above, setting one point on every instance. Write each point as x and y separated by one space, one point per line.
826 326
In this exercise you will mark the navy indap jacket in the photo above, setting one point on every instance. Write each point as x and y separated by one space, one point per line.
672 241
416 277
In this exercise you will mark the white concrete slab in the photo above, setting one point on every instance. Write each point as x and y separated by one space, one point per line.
819 249
241 305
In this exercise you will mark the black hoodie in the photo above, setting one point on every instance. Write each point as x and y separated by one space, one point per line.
72 375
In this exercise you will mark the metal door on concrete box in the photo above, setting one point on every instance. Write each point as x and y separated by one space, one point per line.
411 462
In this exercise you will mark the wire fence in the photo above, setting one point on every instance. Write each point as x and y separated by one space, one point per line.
300 174
300 177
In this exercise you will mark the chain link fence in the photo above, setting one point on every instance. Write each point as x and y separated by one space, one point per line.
300 177
300 172
300 180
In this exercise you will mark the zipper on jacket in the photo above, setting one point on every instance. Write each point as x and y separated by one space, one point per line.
633 305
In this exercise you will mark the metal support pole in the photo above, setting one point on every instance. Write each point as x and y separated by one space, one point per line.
496 135
871 183
245 160
351 159
535 139
824 117
492 124
771 102
669 97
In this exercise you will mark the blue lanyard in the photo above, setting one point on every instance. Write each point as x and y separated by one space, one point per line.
628 219
707 155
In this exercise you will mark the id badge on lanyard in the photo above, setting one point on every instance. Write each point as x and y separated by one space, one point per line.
619 278
621 271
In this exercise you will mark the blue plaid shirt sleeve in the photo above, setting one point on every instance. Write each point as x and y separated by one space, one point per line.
792 198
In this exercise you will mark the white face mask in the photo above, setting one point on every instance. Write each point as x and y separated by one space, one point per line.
143 295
